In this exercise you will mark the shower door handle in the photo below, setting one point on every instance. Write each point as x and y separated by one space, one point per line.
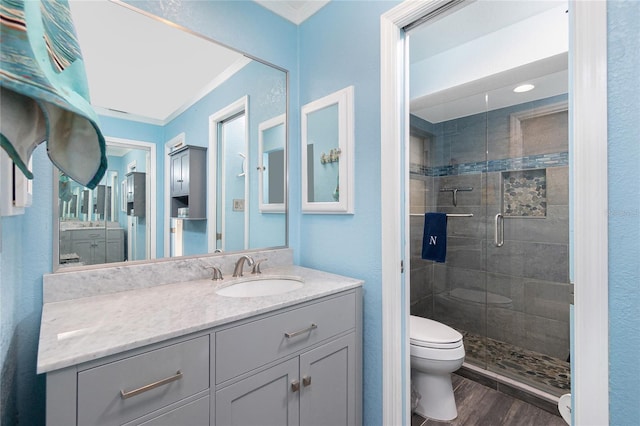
498 234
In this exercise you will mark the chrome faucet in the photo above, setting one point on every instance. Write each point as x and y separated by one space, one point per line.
237 271
217 274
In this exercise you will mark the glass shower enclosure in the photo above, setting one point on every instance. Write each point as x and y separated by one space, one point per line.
502 177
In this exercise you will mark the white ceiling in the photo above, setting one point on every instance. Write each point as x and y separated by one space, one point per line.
143 69
488 47
149 71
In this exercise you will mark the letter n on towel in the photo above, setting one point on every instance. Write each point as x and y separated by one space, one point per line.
434 240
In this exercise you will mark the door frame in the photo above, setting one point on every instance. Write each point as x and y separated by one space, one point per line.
172 144
588 124
151 194
241 105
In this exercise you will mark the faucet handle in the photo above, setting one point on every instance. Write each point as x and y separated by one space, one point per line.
217 273
256 266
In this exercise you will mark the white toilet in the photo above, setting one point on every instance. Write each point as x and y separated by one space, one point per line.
436 352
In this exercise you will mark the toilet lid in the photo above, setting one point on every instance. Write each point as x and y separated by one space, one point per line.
432 334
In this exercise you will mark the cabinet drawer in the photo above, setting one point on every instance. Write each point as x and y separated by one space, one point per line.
100 401
88 234
245 347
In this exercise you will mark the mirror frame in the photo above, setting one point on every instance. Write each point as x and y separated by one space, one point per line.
263 127
345 204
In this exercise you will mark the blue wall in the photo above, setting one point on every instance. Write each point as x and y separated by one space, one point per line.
265 87
338 46
623 64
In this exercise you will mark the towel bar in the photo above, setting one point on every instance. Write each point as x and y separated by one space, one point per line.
448 214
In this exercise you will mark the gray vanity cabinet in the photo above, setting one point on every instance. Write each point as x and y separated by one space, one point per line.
298 367
94 246
316 388
188 182
156 386
262 399
328 378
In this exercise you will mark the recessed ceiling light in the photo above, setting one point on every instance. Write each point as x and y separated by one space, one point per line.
524 88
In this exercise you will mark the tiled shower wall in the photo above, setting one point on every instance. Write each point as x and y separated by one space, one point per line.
526 281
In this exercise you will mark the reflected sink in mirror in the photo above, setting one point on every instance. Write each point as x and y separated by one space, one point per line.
264 286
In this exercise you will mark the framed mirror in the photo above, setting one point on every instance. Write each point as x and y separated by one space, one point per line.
327 154
272 156
135 103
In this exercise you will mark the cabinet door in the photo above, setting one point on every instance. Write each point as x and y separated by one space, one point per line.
194 413
99 252
327 377
176 175
84 249
264 399
130 189
185 172
180 174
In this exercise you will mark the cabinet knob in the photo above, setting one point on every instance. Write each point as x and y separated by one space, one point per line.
306 381
295 386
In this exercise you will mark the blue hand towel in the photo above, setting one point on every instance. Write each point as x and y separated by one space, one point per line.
44 95
434 240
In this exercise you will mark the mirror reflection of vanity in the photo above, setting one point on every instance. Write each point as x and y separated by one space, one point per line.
139 222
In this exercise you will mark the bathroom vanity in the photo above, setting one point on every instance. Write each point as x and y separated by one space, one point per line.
180 353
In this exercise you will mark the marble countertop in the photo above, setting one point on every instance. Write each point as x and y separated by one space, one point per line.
84 329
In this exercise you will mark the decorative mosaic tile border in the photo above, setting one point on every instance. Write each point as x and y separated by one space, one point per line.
539 161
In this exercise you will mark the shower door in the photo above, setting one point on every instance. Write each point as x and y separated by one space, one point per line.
527 252
448 160
493 156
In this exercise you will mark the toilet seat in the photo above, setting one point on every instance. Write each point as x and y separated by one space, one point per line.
427 333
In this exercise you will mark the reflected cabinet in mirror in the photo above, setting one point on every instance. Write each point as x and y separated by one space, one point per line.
327 154
196 148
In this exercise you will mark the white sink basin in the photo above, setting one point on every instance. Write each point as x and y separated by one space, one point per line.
267 286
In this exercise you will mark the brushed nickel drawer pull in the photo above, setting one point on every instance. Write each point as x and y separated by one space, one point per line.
129 394
299 332
295 386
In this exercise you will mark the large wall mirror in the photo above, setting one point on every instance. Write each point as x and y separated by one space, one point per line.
148 112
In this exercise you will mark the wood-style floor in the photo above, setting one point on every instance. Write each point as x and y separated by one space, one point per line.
483 406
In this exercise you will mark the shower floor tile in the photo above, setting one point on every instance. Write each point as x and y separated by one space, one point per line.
551 375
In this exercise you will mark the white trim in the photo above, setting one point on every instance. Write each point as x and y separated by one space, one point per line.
217 81
345 204
588 73
238 106
516 119
151 184
170 145
262 127
296 12
589 100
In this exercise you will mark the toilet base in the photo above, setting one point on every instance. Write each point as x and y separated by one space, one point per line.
436 395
